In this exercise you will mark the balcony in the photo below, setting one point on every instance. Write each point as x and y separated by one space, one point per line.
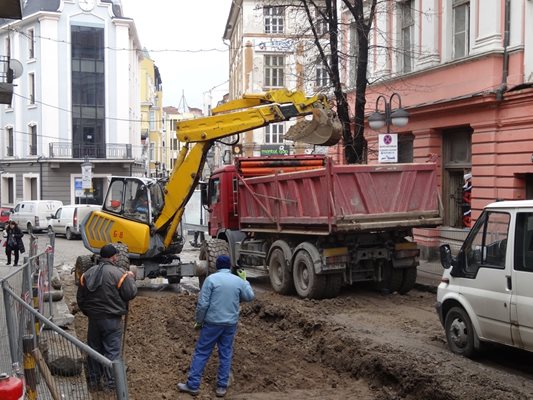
110 151
6 81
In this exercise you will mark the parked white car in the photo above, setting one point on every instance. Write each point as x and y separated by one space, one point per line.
486 293
34 214
67 219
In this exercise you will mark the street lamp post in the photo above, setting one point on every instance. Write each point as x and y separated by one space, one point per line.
398 117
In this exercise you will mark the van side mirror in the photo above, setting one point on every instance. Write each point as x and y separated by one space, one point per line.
203 193
445 256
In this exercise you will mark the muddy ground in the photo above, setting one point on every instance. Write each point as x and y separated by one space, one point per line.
361 345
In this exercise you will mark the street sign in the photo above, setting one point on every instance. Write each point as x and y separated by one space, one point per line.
388 148
86 175
78 187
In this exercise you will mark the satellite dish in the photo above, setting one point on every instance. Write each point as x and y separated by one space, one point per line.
16 67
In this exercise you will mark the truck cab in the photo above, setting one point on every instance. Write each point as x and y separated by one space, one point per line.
486 293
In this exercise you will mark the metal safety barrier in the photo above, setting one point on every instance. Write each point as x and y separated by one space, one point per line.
51 361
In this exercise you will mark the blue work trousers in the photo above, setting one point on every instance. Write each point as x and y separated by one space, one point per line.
222 336
104 336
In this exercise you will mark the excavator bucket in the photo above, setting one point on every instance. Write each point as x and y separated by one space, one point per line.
325 129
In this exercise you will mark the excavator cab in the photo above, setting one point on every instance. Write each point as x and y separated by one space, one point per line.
139 199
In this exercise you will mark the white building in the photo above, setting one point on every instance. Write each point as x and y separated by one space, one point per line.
77 100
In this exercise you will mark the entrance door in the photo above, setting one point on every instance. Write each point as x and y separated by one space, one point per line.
457 157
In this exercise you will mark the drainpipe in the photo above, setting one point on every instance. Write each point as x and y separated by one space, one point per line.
505 69
39 160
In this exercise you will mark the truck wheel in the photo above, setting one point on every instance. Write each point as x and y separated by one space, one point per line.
396 279
409 280
306 282
459 332
83 263
210 251
68 234
278 271
123 261
173 279
333 285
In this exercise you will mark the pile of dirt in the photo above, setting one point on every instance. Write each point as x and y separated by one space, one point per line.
359 345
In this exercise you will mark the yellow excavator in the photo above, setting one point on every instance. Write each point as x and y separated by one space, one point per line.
141 215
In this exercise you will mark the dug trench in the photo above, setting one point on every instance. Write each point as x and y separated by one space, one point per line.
360 345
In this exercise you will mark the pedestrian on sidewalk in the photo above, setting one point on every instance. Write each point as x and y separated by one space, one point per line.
14 243
217 315
103 295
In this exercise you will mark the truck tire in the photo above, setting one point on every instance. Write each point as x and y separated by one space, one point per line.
123 261
459 332
333 285
396 279
306 282
83 263
278 271
409 280
210 251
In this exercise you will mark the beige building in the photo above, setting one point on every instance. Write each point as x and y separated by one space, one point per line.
271 48
152 117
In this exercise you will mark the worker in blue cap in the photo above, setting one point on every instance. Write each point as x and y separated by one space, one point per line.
217 314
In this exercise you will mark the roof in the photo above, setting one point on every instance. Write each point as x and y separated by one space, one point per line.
511 204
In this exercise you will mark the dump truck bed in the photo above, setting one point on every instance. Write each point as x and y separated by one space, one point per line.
341 198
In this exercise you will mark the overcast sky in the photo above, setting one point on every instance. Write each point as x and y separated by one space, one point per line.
188 29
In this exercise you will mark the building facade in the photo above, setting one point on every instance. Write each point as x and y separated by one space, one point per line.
77 101
271 47
464 72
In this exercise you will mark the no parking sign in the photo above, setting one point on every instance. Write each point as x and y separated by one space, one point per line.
388 148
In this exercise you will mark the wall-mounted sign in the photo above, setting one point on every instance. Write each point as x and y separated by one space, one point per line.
388 148
275 150
275 45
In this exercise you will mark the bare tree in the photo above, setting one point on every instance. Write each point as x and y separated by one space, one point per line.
362 12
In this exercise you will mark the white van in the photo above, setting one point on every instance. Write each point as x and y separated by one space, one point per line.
67 219
486 293
34 214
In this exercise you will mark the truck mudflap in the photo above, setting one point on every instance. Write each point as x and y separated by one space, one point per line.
405 255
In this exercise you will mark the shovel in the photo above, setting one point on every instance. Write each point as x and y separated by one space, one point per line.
325 129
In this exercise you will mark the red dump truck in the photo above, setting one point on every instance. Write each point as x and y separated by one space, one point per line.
314 226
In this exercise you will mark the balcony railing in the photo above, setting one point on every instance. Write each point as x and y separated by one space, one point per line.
112 151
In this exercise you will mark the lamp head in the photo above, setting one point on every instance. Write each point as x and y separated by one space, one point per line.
376 120
399 117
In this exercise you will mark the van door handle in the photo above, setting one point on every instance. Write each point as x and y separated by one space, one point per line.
509 282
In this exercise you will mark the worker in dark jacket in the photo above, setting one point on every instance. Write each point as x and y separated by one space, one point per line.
217 314
14 243
103 296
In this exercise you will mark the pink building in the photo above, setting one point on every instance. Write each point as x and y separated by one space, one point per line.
464 71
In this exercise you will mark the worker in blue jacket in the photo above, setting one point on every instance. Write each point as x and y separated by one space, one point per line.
217 314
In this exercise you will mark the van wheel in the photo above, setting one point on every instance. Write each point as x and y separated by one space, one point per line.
459 332
50 229
29 227
68 234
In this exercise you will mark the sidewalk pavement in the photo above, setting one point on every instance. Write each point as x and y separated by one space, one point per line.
429 273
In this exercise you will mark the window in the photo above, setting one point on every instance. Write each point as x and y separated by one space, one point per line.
31 88
274 68
322 76
353 54
214 191
8 47
321 25
486 245
10 142
461 31
405 147
523 256
152 151
274 19
33 137
31 44
407 25
274 133
152 121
